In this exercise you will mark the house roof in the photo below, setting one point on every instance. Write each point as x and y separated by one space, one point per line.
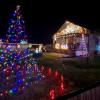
69 28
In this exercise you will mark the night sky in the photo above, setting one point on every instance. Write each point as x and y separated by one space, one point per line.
43 19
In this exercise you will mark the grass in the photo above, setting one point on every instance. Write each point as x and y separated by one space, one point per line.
85 63
81 72
51 56
49 60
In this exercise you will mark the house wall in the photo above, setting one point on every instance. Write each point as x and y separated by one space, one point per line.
13 46
73 43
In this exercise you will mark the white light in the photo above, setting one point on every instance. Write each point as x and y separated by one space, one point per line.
57 46
81 53
23 42
55 38
9 46
67 22
37 50
64 46
40 48
18 46
72 28
18 7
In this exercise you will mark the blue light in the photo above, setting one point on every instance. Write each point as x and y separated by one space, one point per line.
14 14
19 74
19 81
15 89
98 48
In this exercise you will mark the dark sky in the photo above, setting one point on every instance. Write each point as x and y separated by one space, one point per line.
43 19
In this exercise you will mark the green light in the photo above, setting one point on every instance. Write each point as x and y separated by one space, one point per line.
1 50
10 91
30 46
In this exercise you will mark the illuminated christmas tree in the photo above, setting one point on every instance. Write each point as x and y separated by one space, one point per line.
82 49
17 71
16 31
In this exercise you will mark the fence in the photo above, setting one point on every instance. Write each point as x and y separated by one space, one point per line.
88 93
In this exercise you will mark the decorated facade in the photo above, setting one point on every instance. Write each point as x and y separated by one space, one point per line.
74 40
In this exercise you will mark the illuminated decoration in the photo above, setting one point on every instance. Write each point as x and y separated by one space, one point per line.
18 46
62 86
98 46
49 71
37 50
30 46
52 94
17 70
56 74
37 53
67 37
57 87
70 28
23 42
55 38
82 50
57 46
64 46
40 48
62 78
16 31
42 69
9 46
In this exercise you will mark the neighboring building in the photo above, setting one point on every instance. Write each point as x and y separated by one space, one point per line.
15 46
75 40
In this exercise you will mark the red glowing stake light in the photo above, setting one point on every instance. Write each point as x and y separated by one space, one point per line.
49 71
56 74
5 92
62 86
52 94
62 78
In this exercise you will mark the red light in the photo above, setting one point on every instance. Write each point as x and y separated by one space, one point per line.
42 68
52 94
49 71
62 78
56 74
5 92
62 86
7 72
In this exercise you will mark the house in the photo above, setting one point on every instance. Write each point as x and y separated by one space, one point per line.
76 40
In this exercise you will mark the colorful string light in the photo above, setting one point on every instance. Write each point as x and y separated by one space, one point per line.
17 70
16 31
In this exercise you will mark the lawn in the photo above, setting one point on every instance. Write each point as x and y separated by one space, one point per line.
78 72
